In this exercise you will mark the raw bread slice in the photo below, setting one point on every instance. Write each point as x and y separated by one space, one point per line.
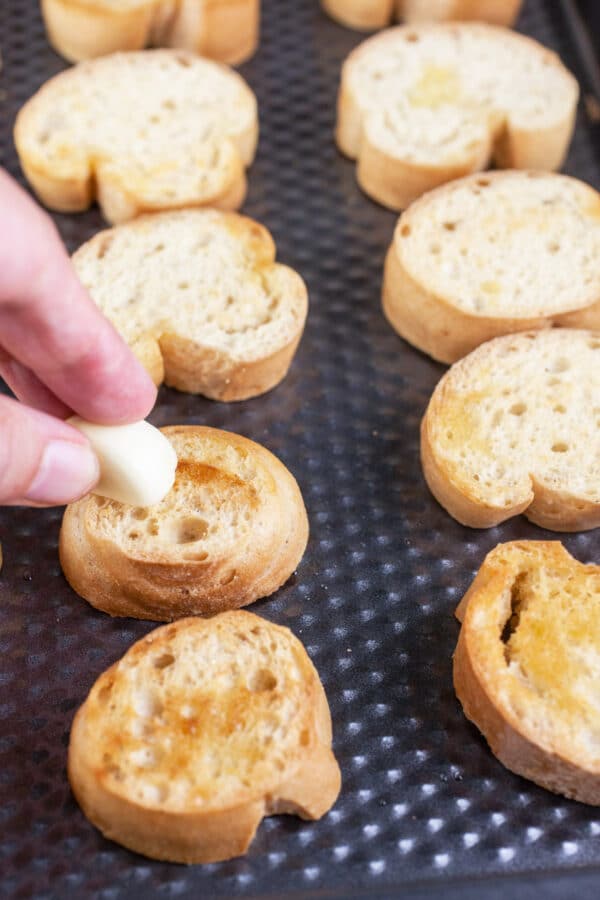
226 30
198 296
421 105
158 129
200 730
494 254
369 14
515 428
232 529
526 664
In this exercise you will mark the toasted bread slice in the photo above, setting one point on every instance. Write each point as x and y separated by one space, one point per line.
158 129
526 664
365 15
232 529
225 30
494 254
200 730
422 105
515 428
199 298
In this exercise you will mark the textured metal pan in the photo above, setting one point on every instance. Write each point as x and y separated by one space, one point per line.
425 807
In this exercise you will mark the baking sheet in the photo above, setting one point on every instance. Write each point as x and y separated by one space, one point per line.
425 809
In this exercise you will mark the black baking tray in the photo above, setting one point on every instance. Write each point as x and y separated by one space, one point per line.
425 810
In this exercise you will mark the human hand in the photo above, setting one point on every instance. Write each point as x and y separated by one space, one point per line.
59 355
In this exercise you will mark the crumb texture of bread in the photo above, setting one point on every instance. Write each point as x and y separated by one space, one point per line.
366 15
225 30
199 298
232 530
494 254
203 728
527 663
515 427
422 105
139 132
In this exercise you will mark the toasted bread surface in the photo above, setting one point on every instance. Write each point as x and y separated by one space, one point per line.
515 427
200 730
365 15
422 105
526 664
198 296
139 132
494 254
225 30
232 529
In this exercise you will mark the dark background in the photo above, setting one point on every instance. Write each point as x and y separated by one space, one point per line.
425 809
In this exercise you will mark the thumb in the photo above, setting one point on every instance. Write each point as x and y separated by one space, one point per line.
43 461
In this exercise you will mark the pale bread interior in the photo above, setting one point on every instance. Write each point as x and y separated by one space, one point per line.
520 407
429 94
209 277
211 718
516 244
167 125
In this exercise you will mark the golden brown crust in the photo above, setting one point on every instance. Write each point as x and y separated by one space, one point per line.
307 785
367 15
75 180
542 502
188 365
493 700
395 182
226 31
162 588
433 324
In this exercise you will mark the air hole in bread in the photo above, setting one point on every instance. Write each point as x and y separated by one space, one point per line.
435 249
104 247
262 680
405 230
450 226
104 692
561 365
133 535
183 285
155 119
228 577
553 247
517 599
43 137
559 408
483 182
411 37
183 61
164 661
159 248
139 514
594 345
560 447
190 530
517 409
153 527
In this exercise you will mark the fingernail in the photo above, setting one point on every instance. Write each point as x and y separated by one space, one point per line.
66 472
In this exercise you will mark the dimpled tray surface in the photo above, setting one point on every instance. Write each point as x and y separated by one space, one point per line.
425 809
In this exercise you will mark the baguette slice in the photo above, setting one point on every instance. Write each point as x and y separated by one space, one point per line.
158 129
515 428
225 30
200 730
232 529
365 15
526 664
422 105
494 254
199 298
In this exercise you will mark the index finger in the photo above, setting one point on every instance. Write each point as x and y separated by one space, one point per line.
49 323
